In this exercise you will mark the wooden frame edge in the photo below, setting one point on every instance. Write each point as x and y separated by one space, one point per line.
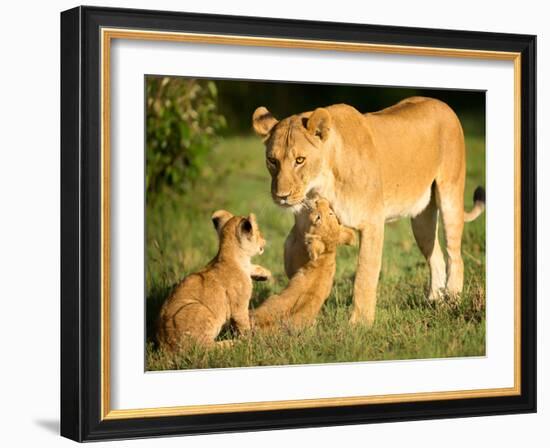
306 403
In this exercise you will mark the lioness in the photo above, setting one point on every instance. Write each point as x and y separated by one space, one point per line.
300 302
204 301
407 160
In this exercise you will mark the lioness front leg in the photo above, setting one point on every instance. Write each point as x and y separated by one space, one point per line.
368 271
295 253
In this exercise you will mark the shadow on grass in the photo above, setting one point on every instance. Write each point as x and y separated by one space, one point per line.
153 304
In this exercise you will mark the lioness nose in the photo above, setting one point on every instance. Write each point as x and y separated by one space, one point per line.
282 196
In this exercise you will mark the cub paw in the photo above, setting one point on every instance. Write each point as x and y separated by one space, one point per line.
260 274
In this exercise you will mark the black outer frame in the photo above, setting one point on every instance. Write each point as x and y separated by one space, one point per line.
81 223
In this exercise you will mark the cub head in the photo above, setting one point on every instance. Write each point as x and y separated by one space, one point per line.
295 152
239 232
325 232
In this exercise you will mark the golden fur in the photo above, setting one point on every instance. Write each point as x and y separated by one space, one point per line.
301 301
407 160
204 301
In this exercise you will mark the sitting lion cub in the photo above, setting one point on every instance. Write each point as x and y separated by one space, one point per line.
204 301
298 305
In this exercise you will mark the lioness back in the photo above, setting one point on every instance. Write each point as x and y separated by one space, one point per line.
412 141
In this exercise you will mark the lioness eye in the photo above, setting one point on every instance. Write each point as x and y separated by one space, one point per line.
300 160
272 161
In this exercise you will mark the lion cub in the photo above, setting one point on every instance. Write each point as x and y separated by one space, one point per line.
204 301
300 302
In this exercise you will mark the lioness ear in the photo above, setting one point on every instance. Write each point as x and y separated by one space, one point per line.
319 123
347 236
219 218
263 122
253 220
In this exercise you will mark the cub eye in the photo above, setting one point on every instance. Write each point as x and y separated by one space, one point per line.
300 160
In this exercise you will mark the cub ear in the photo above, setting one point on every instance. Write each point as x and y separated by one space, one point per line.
219 218
245 229
263 121
347 236
315 246
319 123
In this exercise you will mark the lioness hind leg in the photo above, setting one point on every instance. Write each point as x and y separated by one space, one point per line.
451 206
424 228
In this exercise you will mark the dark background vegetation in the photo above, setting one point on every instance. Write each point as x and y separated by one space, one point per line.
237 100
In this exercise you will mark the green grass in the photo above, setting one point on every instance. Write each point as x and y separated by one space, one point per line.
181 239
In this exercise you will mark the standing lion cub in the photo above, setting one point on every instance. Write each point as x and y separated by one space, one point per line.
298 305
204 301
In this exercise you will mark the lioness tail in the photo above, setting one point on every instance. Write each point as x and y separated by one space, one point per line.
479 205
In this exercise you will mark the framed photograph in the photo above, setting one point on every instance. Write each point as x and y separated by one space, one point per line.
277 224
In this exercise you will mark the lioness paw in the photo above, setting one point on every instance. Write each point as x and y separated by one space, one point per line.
359 318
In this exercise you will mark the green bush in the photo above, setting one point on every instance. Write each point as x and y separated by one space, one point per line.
182 125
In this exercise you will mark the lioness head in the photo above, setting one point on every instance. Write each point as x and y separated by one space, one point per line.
325 232
294 152
240 232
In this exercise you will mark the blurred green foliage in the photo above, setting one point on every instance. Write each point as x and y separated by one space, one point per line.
182 125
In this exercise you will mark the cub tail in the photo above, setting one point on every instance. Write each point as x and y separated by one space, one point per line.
479 205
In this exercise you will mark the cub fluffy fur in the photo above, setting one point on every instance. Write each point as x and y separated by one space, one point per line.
298 305
204 301
408 160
